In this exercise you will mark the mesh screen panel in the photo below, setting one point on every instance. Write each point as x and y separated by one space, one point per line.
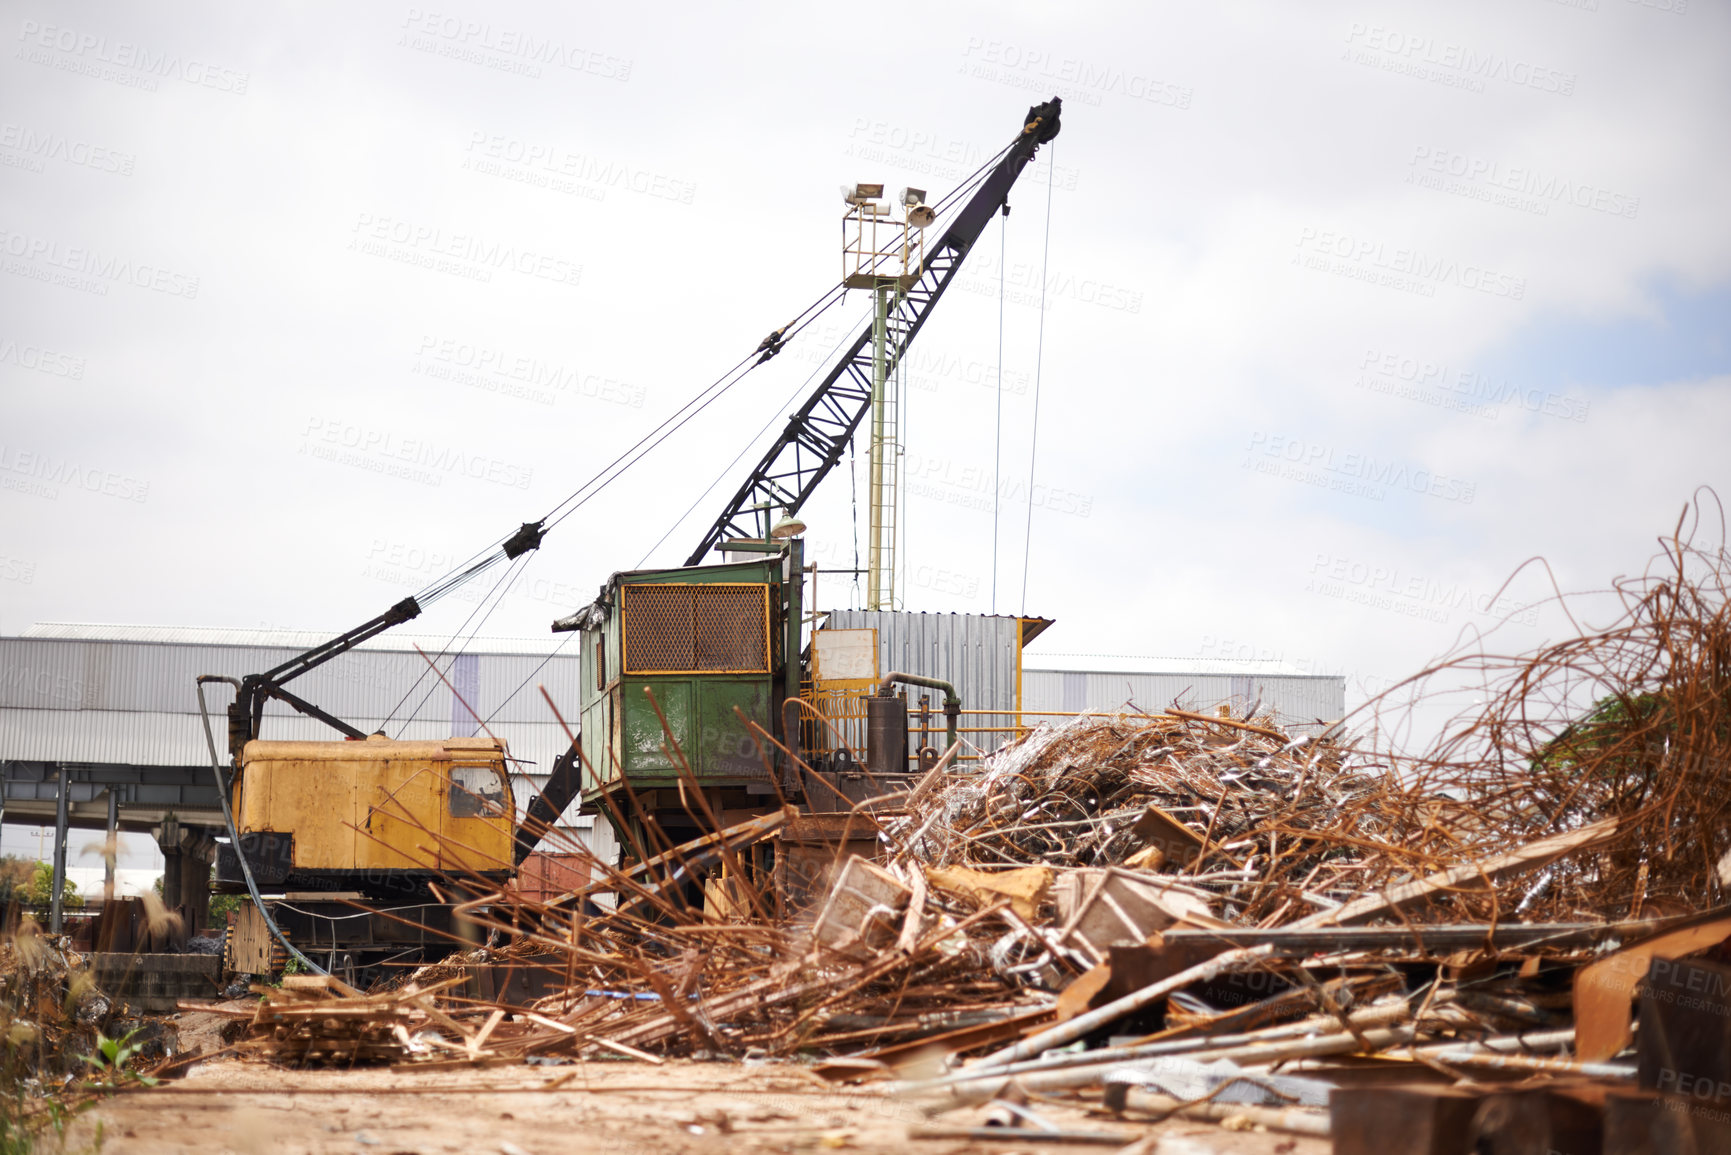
696 628
732 633
659 632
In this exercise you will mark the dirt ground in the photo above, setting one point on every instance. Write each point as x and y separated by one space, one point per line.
619 1108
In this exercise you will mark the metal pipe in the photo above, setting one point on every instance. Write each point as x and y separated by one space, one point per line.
1035 1135
1504 1044
1292 1120
1374 1016
952 700
1530 1063
990 1083
1496 1054
967 1086
1075 1028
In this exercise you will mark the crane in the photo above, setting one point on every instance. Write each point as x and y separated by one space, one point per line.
816 435
807 449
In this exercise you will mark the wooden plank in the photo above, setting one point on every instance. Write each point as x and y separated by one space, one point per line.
215 1009
963 1038
1475 875
632 1052
1604 990
480 1039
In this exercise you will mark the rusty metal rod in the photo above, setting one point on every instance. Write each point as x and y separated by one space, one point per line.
992 1084
1292 1120
1134 1001
1376 1016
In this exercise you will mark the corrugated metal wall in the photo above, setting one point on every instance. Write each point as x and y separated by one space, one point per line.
1299 701
976 652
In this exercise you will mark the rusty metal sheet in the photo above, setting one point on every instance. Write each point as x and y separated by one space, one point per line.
1605 990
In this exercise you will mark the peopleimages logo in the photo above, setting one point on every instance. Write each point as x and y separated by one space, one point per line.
412 458
1541 188
40 359
1372 257
1388 587
50 685
1355 474
1023 283
973 487
933 154
1427 58
35 147
515 374
414 567
550 166
92 55
1070 77
1471 388
14 570
36 473
463 254
505 49
90 268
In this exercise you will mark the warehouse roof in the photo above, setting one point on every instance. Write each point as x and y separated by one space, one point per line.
395 641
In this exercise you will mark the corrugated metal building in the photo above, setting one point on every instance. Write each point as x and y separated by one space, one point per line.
1072 683
124 696
980 654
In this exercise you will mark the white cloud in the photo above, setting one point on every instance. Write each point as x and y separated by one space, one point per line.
1148 413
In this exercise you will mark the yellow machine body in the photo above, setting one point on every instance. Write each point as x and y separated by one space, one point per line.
379 807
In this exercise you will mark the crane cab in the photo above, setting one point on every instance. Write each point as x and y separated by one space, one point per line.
714 647
378 816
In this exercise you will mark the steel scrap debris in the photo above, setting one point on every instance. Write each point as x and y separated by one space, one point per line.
1221 917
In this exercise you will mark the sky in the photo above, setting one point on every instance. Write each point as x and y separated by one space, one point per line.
1311 328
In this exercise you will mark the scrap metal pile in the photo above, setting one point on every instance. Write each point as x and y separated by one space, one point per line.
1233 920
50 1006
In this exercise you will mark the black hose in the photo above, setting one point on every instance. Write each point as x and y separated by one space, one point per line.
233 837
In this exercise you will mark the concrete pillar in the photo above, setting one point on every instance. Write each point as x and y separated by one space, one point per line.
112 849
171 876
195 892
168 840
56 917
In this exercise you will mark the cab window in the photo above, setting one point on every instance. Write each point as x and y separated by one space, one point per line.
476 792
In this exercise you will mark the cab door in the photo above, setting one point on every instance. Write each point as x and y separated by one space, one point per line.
402 826
478 818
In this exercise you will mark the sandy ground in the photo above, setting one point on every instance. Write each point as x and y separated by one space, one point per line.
250 1108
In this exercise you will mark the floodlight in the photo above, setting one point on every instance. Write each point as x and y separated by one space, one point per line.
788 526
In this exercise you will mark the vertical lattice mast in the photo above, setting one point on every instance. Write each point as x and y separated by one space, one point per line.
818 433
886 255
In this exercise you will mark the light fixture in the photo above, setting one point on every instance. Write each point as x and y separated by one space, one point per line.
913 196
788 526
859 194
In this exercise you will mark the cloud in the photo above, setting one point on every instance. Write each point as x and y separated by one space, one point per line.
1247 204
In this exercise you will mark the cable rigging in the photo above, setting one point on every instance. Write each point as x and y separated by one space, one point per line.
1039 354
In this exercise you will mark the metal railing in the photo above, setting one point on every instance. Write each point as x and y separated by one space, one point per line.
835 718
